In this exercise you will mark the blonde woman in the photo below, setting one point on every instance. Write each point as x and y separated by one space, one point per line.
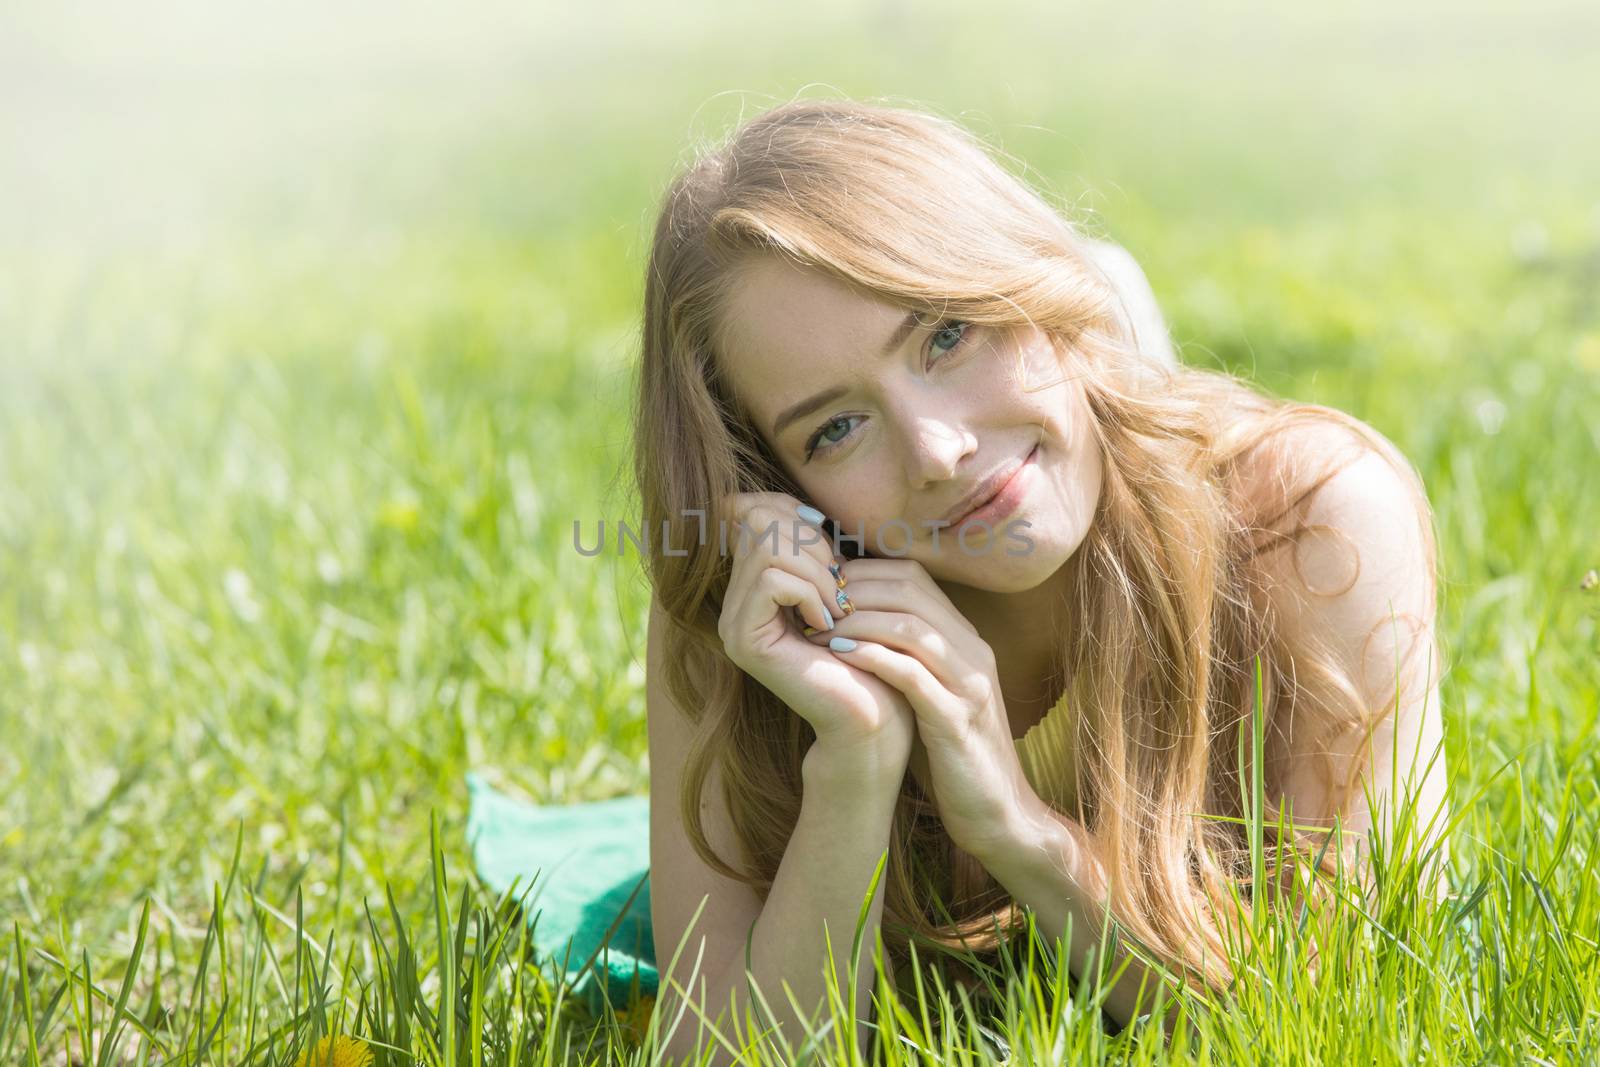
1005 572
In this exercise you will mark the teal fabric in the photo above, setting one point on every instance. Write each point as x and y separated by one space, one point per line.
584 862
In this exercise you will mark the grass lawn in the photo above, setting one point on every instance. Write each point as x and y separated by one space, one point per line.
316 337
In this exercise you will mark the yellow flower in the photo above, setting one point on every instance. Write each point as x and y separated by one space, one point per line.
635 1018
337 1050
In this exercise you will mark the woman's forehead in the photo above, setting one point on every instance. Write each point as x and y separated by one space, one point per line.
782 320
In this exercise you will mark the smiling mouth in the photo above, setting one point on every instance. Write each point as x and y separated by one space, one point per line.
1011 489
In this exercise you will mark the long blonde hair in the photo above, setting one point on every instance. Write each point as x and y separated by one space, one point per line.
1165 619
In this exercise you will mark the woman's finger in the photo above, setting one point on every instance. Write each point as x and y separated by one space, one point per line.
913 636
778 585
903 595
765 541
763 514
936 708
814 538
798 560
914 584
792 537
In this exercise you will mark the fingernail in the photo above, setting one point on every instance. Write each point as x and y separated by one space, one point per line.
843 600
826 614
841 644
810 514
838 575
809 630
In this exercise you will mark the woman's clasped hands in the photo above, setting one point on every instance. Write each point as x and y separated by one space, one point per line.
879 658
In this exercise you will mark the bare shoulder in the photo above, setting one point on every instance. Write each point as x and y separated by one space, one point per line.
1349 586
1360 523
1141 314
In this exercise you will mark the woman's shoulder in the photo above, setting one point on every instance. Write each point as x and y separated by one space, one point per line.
1289 460
1141 313
1349 518
1349 582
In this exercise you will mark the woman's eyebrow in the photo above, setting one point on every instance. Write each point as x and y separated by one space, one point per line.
827 396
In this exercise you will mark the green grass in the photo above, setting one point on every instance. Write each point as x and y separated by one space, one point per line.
289 455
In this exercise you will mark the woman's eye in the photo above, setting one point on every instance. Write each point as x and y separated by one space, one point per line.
952 333
949 337
822 434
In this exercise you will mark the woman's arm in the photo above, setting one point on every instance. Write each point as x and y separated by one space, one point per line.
1051 866
1378 623
907 631
1360 585
822 879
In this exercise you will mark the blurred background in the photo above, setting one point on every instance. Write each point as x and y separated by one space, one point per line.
316 331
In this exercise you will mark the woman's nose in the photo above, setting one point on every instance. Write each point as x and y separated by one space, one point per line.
937 448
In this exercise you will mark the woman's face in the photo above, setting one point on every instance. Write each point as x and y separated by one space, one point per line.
878 418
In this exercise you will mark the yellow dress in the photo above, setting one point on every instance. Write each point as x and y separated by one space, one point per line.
1046 754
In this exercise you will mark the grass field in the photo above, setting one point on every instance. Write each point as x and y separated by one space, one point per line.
315 338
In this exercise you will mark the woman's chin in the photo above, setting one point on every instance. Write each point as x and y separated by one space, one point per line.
1004 563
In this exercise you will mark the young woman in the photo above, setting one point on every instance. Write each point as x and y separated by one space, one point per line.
862 338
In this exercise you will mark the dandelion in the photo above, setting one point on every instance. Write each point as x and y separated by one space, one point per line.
337 1050
1491 414
635 1018
241 595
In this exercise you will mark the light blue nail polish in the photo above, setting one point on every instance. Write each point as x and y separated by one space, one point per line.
841 644
826 614
810 514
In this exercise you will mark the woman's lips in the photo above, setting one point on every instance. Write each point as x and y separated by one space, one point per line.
1010 496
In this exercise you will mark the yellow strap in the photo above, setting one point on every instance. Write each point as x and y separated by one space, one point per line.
1044 752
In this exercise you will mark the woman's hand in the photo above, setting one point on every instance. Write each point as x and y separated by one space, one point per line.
909 634
783 562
